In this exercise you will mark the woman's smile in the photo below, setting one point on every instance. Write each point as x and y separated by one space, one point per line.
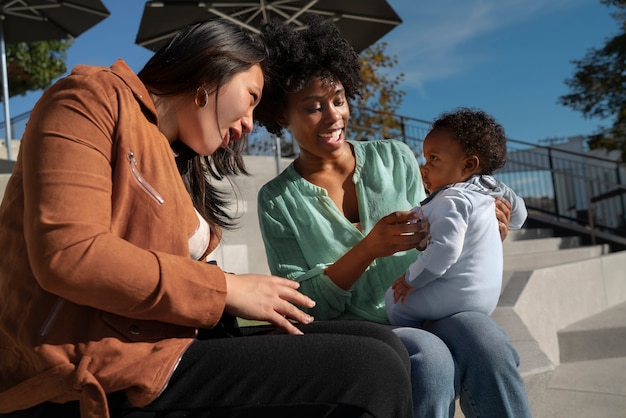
334 137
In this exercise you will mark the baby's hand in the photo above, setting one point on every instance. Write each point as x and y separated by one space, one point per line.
401 289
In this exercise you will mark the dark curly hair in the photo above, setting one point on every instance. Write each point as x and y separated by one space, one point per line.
478 133
297 56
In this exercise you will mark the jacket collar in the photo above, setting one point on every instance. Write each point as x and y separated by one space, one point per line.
123 71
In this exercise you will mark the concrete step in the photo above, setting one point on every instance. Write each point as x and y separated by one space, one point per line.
599 336
15 149
594 388
535 260
525 246
4 179
529 233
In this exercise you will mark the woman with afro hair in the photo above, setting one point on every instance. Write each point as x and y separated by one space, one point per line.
337 220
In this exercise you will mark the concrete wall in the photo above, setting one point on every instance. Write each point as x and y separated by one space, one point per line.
242 250
15 147
557 296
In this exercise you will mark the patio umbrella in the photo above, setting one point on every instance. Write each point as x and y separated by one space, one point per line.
361 22
41 20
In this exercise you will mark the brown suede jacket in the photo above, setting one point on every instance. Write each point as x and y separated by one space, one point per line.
97 290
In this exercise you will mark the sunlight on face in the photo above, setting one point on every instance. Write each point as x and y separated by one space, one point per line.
317 117
445 160
205 129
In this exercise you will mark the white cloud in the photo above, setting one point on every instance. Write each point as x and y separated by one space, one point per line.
437 39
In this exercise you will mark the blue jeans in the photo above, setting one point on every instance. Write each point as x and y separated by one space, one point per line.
432 373
469 356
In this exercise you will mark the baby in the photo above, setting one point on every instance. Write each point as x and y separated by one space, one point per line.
461 268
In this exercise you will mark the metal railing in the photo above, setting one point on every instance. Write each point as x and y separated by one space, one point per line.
18 123
572 187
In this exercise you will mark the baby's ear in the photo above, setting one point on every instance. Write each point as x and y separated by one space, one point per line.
472 165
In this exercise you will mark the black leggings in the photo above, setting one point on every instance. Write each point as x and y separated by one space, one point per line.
336 369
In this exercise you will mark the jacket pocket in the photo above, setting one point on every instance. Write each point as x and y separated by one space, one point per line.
141 180
143 330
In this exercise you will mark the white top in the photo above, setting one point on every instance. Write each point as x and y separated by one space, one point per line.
199 240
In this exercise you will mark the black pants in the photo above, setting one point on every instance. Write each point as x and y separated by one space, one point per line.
337 369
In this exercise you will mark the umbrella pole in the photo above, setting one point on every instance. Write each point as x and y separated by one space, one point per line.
5 91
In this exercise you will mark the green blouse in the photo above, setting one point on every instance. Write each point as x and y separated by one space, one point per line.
304 231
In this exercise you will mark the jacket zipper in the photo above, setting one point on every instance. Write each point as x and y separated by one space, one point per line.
142 182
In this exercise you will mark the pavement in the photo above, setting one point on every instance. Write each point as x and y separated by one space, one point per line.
586 389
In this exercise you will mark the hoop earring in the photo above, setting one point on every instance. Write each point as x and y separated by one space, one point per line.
202 97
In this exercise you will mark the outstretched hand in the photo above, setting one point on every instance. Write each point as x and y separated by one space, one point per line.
395 232
267 298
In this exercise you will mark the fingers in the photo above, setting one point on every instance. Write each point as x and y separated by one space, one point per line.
400 293
284 321
267 298
502 202
503 210
420 231
400 289
285 311
503 214
401 217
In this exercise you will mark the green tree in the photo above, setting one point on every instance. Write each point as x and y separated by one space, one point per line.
598 88
33 66
373 113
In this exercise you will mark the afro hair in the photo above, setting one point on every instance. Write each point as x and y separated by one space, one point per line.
297 56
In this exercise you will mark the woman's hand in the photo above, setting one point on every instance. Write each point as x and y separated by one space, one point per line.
424 233
395 232
267 298
503 214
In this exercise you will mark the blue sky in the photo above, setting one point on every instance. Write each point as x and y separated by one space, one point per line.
508 57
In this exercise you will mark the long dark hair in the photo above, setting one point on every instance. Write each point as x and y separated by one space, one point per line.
205 54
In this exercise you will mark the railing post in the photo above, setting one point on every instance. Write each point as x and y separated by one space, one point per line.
277 152
618 176
402 130
557 212
590 213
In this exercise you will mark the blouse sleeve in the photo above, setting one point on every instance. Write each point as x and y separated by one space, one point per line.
286 258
